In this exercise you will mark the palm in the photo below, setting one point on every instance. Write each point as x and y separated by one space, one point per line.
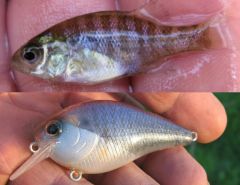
18 125
180 73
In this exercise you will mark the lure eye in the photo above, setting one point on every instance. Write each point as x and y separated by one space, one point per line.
54 128
31 54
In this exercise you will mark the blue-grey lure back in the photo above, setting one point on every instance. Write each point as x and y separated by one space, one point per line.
100 136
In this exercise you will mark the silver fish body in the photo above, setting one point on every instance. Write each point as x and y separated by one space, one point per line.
101 136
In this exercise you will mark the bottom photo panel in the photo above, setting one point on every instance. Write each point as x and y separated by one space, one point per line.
119 139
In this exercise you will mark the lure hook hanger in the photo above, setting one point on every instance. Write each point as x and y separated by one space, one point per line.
75 175
34 147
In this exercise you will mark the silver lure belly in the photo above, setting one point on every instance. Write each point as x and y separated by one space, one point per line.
111 135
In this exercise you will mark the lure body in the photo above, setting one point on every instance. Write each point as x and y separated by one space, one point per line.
102 46
101 136
115 135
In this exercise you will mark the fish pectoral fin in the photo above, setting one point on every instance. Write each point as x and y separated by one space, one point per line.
144 11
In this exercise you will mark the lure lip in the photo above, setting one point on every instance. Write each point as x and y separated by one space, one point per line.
43 152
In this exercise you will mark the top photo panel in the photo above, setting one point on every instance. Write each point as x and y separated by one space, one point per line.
120 45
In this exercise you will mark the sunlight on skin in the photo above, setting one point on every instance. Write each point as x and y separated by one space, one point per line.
233 16
27 112
198 72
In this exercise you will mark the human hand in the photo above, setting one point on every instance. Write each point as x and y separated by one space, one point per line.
20 114
211 70
6 83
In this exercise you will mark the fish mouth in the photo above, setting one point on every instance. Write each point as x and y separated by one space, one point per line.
14 61
16 67
17 64
43 152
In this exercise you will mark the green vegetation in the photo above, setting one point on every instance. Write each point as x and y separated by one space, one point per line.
221 159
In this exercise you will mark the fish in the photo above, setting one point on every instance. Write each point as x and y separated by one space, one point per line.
103 46
100 136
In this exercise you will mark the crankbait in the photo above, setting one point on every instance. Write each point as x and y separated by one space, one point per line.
103 46
100 136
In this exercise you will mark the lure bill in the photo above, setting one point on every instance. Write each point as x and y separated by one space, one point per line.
100 136
103 46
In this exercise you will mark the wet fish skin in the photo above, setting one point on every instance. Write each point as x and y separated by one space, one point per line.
110 135
102 46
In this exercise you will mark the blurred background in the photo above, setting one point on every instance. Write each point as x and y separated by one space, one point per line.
221 159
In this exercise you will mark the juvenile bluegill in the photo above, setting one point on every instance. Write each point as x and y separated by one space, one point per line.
103 46
97 137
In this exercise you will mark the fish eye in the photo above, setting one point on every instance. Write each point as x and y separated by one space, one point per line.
54 128
31 54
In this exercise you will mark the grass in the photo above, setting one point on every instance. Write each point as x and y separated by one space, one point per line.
221 159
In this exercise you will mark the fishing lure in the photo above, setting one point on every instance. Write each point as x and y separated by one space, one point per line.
100 136
103 46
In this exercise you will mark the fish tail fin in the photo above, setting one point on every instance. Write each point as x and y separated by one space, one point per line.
202 36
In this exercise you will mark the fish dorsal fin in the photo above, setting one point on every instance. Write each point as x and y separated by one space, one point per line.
144 11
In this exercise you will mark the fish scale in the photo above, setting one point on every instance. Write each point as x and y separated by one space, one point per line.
107 45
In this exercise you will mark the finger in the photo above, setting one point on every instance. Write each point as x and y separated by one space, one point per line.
200 112
175 166
174 12
128 175
232 18
157 102
35 17
6 83
74 98
198 71
20 115
47 173
28 84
